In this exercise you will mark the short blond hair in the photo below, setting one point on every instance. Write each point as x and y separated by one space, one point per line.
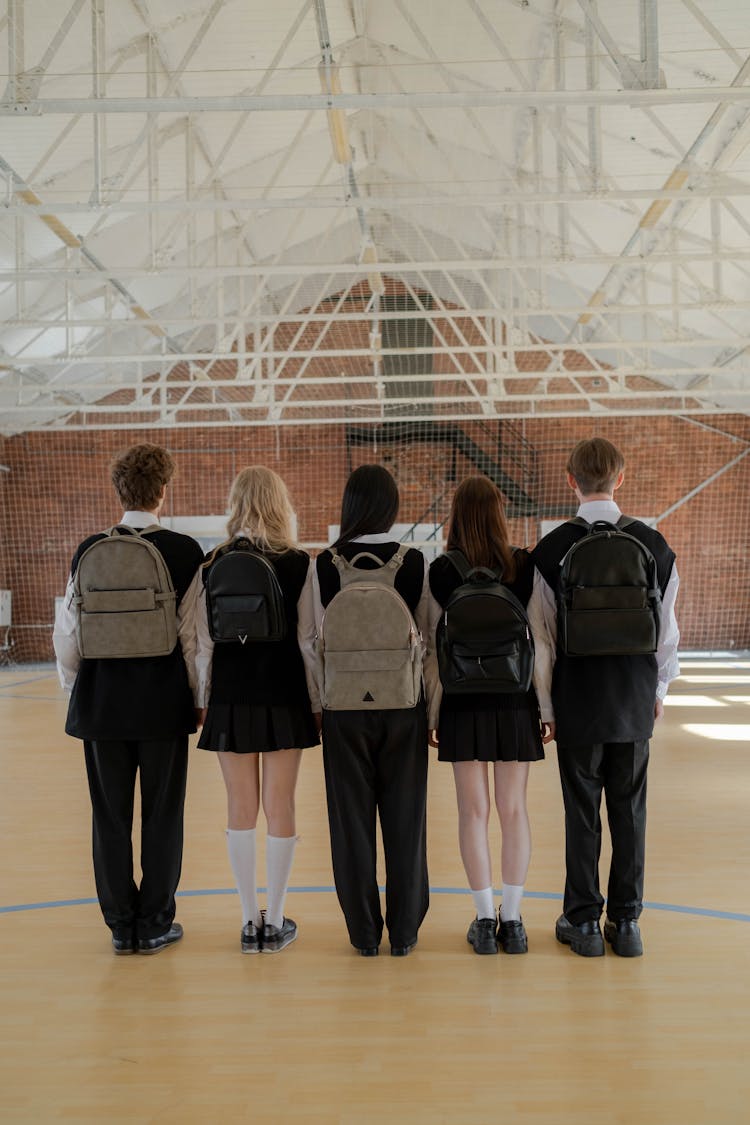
259 504
595 465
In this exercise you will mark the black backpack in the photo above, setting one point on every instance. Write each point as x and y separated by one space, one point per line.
244 601
610 600
484 642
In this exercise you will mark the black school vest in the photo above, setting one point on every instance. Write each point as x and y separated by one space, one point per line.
601 698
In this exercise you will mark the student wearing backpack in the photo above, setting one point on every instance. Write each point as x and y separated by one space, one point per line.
603 615
498 722
370 597
132 710
251 611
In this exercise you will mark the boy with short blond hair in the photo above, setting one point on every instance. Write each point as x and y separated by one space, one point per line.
601 709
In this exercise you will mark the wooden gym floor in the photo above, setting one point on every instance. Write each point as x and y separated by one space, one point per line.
317 1034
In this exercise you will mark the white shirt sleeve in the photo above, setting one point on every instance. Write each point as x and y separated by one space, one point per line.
542 613
309 617
65 640
427 615
191 609
669 638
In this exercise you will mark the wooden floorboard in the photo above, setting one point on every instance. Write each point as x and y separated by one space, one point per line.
317 1034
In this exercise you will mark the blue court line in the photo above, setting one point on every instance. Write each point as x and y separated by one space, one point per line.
547 895
23 683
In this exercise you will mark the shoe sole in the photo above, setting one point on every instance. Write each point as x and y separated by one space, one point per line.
583 949
250 948
483 952
124 952
515 947
159 948
278 948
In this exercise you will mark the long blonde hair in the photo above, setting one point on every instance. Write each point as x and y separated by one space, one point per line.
259 504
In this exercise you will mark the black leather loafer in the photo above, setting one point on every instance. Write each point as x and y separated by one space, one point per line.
585 939
402 950
512 936
624 936
124 946
156 944
482 935
368 950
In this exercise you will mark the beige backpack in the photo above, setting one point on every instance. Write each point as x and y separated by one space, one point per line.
370 646
125 598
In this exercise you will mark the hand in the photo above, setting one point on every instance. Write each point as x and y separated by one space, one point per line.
318 720
548 732
658 708
200 716
432 738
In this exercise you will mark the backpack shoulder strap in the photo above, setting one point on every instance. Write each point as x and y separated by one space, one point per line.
624 521
460 562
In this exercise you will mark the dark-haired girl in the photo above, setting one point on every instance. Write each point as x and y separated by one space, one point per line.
376 760
503 729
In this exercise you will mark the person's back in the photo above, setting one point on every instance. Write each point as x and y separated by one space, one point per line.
375 757
134 714
474 728
601 710
137 697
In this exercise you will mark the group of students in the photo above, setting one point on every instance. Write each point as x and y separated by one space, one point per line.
261 699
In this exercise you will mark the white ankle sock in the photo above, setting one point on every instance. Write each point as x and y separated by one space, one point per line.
241 848
279 856
510 907
484 903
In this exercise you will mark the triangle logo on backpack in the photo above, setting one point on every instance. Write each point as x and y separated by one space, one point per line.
367 698
242 639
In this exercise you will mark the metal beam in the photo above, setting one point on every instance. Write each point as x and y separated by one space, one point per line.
287 103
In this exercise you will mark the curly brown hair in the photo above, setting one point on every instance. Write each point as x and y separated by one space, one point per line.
139 475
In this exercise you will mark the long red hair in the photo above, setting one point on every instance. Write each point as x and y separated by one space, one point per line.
478 527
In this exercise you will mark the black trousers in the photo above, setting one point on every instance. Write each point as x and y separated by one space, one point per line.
619 769
376 765
112 766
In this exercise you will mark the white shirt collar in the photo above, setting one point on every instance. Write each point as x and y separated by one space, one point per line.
374 537
139 519
592 510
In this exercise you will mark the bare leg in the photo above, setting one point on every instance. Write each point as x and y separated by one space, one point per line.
472 795
510 796
280 770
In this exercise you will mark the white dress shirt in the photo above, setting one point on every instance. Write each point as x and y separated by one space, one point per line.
542 611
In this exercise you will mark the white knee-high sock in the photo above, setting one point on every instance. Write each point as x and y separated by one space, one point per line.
279 856
510 907
241 848
483 903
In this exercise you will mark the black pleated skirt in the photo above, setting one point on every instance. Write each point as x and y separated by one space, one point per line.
252 728
490 736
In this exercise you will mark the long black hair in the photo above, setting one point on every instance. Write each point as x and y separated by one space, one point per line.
369 504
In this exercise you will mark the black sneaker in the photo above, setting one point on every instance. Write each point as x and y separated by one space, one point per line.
512 936
584 939
624 936
275 938
250 938
482 935
155 945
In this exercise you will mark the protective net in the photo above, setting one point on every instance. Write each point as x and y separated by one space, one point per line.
690 475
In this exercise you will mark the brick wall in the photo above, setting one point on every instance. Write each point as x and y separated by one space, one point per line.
58 492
